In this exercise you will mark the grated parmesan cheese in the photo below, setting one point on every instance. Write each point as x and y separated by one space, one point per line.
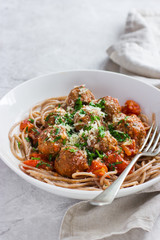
82 90
73 139
95 110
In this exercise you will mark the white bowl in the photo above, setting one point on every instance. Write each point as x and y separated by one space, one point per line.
15 104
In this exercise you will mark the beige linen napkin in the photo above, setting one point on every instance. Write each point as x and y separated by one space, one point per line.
138 50
85 222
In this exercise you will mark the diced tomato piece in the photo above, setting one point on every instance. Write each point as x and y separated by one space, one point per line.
129 147
98 168
40 159
115 161
31 163
34 134
131 107
24 124
38 155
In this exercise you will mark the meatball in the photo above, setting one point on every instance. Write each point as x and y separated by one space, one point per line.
81 93
70 160
99 139
51 117
106 143
131 125
111 106
87 114
52 139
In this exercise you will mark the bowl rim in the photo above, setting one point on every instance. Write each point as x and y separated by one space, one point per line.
77 70
66 191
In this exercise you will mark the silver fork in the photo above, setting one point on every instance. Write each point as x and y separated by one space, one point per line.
151 150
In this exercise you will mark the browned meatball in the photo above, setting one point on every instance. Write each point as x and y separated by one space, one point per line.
50 118
131 125
106 143
79 92
70 160
99 139
87 115
52 139
111 106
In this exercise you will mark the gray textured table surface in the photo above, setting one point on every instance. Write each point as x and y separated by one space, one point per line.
38 37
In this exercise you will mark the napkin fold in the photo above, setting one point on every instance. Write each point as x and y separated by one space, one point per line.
85 222
138 50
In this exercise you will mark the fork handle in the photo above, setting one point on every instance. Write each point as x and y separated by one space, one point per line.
108 195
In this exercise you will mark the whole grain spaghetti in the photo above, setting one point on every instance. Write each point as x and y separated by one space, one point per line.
80 142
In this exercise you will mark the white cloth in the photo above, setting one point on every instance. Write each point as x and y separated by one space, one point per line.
85 222
138 50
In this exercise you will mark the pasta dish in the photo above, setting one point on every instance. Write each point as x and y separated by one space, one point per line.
80 142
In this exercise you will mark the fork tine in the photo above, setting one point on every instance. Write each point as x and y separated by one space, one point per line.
156 142
152 138
147 137
155 153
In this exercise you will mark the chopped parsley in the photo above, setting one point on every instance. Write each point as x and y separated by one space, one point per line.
87 128
66 148
119 151
114 164
27 139
120 136
117 163
69 133
92 104
90 156
36 145
35 158
58 120
43 163
48 116
120 121
72 150
80 145
78 104
69 118
82 112
101 104
100 155
94 118
101 131
19 144
57 138
50 157
64 141
126 118
35 130
31 120
46 139
77 145
27 129
34 149
57 131
93 155
84 137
